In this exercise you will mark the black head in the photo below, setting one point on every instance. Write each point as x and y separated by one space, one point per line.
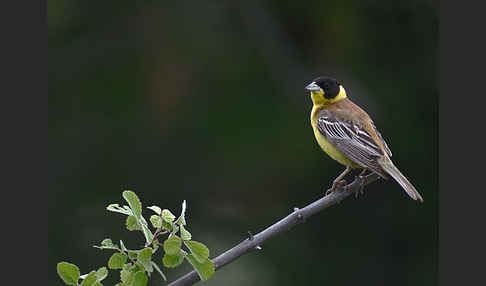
329 85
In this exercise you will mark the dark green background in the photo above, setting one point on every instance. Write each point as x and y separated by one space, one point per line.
205 101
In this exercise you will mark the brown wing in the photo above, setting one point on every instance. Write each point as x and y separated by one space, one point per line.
387 150
352 140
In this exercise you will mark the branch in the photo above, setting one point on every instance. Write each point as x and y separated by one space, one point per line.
297 217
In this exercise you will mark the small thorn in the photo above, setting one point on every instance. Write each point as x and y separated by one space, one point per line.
250 235
299 215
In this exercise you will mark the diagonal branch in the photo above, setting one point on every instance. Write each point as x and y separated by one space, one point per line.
297 217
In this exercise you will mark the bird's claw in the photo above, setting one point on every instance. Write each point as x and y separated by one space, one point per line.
360 189
336 185
341 183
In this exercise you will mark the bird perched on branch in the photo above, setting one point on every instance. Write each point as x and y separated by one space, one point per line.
347 134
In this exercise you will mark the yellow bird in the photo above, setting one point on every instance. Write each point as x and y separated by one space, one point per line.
348 135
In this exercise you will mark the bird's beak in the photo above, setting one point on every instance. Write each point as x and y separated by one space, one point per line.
313 87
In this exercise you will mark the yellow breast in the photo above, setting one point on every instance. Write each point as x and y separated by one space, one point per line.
327 146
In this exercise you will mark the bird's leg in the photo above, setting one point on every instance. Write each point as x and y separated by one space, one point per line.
363 172
361 185
338 181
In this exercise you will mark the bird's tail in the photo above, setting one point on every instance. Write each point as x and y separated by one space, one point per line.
388 166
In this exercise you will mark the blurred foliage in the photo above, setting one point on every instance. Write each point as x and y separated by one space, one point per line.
205 101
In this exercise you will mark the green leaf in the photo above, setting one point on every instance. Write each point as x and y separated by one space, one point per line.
158 270
132 254
167 225
182 218
117 260
126 277
101 274
180 221
205 269
68 272
185 235
140 279
156 209
146 231
172 245
126 274
155 244
107 244
134 203
146 266
145 254
156 221
97 284
132 224
199 250
118 209
122 245
167 216
144 257
90 279
175 229
171 261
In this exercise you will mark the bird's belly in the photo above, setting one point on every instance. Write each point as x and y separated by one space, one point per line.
332 151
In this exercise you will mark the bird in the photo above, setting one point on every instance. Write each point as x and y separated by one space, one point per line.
348 135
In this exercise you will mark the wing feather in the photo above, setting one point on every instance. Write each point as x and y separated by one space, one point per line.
387 150
352 140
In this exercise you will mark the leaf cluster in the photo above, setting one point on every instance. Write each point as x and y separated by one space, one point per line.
137 265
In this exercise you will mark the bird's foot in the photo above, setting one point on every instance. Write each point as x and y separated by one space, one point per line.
360 189
336 185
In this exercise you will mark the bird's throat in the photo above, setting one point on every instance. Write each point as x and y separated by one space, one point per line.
318 98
